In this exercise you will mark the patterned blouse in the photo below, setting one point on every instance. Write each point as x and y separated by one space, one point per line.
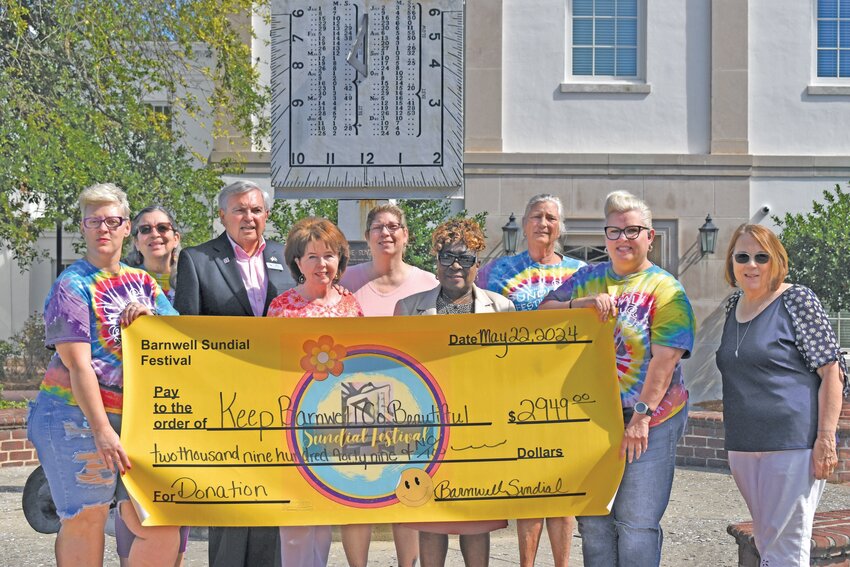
292 304
813 335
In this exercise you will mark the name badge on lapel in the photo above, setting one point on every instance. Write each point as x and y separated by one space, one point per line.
274 266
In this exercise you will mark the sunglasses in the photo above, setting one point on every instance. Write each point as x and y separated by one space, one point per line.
759 257
631 232
162 228
449 258
111 222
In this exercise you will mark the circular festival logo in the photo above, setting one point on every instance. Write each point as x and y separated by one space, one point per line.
362 416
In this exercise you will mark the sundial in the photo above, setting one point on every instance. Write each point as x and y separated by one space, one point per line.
367 98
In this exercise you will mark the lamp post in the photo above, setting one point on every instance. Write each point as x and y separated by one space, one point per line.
509 236
707 236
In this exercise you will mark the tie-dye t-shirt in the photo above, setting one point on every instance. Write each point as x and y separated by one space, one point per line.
524 281
652 309
84 306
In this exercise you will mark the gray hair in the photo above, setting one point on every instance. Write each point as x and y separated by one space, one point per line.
239 187
623 202
104 193
545 198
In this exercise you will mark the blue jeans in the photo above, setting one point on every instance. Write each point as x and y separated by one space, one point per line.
631 533
63 439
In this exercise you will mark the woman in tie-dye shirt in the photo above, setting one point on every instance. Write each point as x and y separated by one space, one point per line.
525 279
654 330
75 421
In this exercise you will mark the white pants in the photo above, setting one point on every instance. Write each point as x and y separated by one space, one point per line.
304 546
782 494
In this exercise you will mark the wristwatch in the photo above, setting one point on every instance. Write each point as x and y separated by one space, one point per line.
643 409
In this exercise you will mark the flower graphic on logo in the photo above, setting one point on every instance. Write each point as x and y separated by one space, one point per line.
323 357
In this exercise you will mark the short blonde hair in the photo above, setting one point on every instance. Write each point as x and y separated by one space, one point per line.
104 193
771 244
623 202
458 230
315 229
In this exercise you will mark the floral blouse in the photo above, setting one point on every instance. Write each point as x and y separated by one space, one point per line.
292 304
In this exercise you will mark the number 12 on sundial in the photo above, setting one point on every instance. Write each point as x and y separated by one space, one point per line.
367 95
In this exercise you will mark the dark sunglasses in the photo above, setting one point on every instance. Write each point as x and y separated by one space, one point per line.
759 257
449 258
162 228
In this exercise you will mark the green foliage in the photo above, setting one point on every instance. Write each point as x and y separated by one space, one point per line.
73 76
285 213
818 245
423 216
23 358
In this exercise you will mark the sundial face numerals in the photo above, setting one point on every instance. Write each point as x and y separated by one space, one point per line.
367 95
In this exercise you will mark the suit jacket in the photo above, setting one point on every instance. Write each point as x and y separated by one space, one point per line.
425 302
209 283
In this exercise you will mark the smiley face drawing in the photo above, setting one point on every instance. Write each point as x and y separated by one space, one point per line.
414 488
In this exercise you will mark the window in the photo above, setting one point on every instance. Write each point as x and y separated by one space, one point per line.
605 38
163 112
833 38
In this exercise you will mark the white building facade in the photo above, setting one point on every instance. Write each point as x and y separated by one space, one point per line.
701 107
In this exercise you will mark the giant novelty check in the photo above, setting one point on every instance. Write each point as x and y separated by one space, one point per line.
239 421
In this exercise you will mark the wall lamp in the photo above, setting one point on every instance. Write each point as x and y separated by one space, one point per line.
509 235
707 236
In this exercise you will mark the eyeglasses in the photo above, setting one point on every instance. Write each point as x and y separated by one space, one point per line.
111 222
391 228
631 232
449 258
162 228
759 257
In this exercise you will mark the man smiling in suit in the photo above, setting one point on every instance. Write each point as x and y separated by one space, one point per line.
236 274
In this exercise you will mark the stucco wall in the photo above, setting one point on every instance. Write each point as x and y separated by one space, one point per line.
784 118
672 118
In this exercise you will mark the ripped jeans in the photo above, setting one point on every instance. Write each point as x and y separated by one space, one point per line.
77 477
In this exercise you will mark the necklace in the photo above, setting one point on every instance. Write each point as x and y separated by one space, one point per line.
741 340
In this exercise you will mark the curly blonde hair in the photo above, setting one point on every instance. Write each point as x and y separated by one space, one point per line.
458 230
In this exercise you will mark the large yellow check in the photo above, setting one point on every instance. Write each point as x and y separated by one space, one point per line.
239 421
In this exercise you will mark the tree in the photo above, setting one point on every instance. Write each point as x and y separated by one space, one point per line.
73 78
818 245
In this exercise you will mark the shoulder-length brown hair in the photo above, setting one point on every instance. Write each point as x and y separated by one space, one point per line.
770 243
315 229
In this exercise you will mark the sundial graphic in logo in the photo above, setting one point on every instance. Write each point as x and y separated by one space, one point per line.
363 415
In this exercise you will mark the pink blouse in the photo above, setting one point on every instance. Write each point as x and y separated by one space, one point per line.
290 303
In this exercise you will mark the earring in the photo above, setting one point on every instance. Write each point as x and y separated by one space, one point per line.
301 278
650 248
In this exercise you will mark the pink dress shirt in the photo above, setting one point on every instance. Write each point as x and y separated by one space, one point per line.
253 273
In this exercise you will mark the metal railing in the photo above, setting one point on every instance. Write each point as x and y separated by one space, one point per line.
840 321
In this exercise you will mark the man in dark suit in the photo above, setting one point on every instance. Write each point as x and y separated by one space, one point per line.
236 274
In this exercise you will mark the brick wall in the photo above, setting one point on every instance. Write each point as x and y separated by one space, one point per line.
15 449
702 444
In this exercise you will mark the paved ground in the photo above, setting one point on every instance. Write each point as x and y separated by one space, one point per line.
702 505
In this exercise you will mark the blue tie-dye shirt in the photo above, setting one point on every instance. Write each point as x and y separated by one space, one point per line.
652 309
84 306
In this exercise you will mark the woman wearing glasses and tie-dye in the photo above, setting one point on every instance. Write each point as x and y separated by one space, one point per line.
75 421
654 330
